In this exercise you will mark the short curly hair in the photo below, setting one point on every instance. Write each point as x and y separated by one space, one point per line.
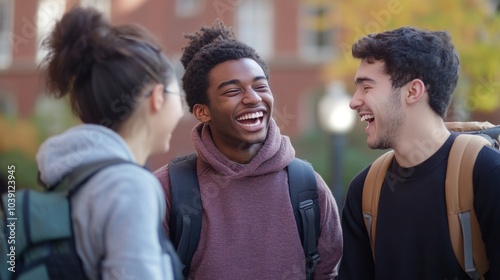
206 49
410 53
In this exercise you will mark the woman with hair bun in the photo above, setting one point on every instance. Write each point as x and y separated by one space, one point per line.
126 94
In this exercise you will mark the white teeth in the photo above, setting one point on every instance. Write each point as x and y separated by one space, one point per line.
366 117
251 116
256 123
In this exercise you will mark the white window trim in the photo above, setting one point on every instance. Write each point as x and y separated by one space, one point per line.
255 26
6 35
48 12
308 51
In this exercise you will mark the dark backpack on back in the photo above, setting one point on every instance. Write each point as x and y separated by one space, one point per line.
36 237
186 209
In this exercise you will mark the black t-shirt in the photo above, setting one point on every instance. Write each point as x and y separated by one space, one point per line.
412 239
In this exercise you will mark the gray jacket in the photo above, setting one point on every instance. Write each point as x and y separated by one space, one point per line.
117 213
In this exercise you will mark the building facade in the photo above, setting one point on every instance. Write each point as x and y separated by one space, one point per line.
293 37
299 39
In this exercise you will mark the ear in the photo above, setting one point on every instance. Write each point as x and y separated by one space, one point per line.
157 98
202 113
415 91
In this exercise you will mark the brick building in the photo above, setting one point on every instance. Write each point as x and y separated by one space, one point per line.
290 35
295 37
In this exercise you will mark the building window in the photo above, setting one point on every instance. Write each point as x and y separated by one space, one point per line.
6 18
104 6
188 8
49 11
255 25
317 31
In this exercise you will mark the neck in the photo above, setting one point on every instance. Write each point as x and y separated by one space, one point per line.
243 153
420 140
136 140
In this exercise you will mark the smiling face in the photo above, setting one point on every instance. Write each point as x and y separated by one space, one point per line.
378 104
240 105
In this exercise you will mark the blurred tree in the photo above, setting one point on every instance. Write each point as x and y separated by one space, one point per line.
23 136
473 24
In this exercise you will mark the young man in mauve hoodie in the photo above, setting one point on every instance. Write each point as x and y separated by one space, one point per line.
248 228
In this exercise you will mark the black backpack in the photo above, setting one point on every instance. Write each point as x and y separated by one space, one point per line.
186 209
36 236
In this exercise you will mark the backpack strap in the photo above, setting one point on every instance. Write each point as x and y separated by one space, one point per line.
371 194
464 227
72 182
304 197
186 209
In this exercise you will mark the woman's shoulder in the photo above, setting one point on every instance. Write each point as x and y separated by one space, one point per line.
121 180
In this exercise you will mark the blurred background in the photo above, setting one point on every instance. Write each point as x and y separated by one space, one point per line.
306 44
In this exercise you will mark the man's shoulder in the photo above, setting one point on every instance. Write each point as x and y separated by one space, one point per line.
491 153
359 180
488 160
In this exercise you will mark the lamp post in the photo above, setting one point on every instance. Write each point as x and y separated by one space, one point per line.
337 119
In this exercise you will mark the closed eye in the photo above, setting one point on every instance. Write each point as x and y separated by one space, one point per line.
262 87
232 92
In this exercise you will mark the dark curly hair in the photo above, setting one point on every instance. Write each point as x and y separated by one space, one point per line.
103 68
206 49
410 53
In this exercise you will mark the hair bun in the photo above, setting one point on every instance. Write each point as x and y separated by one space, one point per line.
80 38
207 35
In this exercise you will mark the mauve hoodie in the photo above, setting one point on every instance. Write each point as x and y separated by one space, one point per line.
248 228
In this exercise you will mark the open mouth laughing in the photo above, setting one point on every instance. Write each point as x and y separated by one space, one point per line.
367 118
251 119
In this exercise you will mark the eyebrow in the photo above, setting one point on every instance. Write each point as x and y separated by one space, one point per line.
363 80
236 81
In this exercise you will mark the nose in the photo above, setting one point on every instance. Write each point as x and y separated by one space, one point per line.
251 97
356 101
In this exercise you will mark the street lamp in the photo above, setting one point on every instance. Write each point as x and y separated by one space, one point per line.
337 119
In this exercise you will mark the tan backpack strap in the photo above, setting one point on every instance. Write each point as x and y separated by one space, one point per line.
468 126
371 194
465 232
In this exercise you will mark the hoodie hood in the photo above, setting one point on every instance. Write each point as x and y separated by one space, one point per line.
276 153
79 145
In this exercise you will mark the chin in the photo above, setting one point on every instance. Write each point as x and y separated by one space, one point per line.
379 144
161 149
166 145
258 138
166 148
372 143
248 142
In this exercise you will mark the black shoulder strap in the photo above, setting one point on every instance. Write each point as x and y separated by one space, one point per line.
491 134
304 197
77 178
185 214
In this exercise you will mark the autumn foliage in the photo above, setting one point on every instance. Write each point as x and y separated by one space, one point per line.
473 24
